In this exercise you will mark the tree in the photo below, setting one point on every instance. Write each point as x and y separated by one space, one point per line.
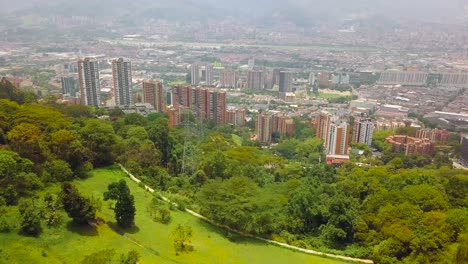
67 145
125 206
100 138
25 139
135 119
182 236
30 218
158 132
132 257
51 213
79 208
58 171
104 256
16 176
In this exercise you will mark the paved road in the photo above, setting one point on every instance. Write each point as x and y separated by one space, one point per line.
308 251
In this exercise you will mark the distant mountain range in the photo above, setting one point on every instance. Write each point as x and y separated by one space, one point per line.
301 12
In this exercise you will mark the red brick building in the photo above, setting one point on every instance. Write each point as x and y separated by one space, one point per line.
411 145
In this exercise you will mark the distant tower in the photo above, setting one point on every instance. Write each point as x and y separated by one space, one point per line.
255 80
228 79
285 81
122 79
209 74
195 74
88 73
363 130
68 86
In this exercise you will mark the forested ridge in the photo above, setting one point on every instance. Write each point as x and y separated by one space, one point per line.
395 210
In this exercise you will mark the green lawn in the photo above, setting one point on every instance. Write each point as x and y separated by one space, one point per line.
330 95
69 244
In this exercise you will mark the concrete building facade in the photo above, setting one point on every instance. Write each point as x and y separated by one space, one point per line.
90 87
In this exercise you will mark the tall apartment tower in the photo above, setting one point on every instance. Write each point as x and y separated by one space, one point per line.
264 127
323 122
68 86
195 74
88 74
122 80
153 93
229 79
255 79
181 96
338 139
285 81
216 108
363 130
209 74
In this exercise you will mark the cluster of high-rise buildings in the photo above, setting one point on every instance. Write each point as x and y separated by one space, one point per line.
90 87
197 70
271 122
89 84
207 104
335 132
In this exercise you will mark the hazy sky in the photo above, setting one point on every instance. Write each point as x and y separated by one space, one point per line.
429 10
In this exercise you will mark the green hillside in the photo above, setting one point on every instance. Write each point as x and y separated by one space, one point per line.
152 240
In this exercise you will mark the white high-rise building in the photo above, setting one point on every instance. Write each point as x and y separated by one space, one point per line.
122 80
363 130
90 88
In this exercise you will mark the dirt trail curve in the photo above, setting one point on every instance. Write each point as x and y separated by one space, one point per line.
308 251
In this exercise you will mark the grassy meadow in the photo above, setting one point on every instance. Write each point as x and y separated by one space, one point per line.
70 244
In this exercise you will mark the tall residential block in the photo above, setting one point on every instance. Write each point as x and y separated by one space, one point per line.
285 81
122 81
255 80
209 74
363 130
229 79
338 141
268 123
235 116
195 74
322 122
68 86
88 74
264 127
153 93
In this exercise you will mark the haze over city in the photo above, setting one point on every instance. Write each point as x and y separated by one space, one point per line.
207 131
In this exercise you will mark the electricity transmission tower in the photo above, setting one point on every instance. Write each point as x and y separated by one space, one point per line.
193 132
